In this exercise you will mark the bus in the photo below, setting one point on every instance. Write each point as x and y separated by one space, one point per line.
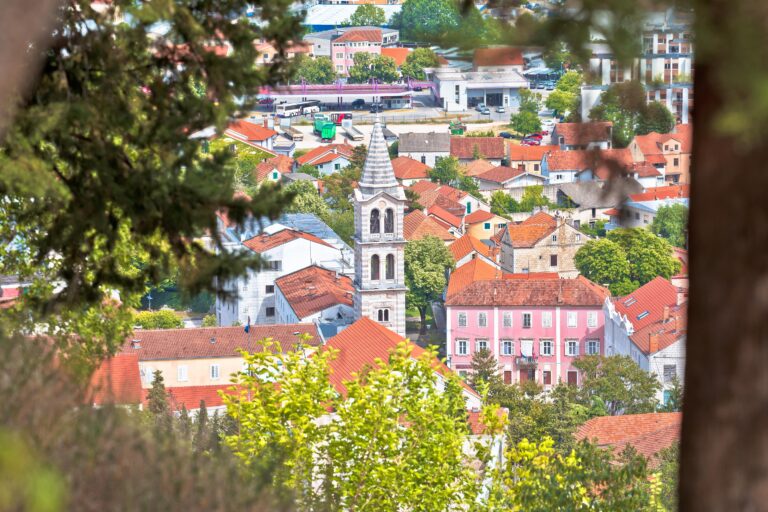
297 109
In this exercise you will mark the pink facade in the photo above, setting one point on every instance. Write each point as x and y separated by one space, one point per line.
343 53
530 342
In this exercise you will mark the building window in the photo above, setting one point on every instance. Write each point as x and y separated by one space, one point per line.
637 216
469 207
214 372
571 348
558 177
389 221
546 319
375 227
507 377
507 320
482 320
182 373
554 238
572 319
277 266
270 288
462 319
546 347
461 347
423 159
670 372
553 260
578 236
507 347
270 311
592 319
274 175
481 345
526 320
536 167
375 264
383 315
573 378
593 347
336 167
390 267
675 162
339 55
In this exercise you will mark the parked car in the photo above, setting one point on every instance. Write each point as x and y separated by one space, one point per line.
376 107
485 111
358 104
480 107
501 110
505 135
536 136
530 142
418 88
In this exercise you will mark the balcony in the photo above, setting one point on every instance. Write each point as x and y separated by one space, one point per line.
525 362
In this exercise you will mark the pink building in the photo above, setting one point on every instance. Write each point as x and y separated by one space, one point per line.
344 48
534 327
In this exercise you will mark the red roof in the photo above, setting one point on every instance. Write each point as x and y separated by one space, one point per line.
360 346
520 153
488 147
662 333
444 215
280 163
500 56
191 396
398 54
160 344
598 161
409 169
531 292
647 433
666 192
582 134
360 35
501 174
116 381
416 226
476 167
478 216
652 144
474 270
314 289
611 212
644 170
324 154
645 305
245 130
265 242
531 231
468 244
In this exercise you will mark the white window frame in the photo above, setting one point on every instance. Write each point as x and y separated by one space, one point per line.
590 344
592 319
482 319
459 351
505 344
545 343
215 372
572 343
572 319
506 319
459 318
546 319
182 373
479 342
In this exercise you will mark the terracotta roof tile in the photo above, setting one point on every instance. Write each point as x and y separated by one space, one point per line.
531 231
488 147
661 334
476 167
328 153
645 305
360 35
474 270
520 153
598 161
160 344
191 396
468 244
666 192
264 242
409 169
313 289
444 215
416 226
478 216
245 130
581 134
116 381
398 54
652 144
644 170
529 292
500 56
501 174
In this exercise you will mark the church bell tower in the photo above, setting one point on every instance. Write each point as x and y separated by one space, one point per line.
379 203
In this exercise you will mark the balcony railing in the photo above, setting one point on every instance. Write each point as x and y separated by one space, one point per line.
525 362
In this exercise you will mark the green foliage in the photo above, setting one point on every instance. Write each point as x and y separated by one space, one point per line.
674 401
161 319
317 70
157 398
557 56
485 370
368 14
597 230
307 199
530 101
368 65
525 122
656 118
428 20
413 200
671 223
310 170
339 186
242 163
503 204
648 255
619 382
468 185
25 481
209 321
395 441
602 261
416 61
567 94
426 262
342 222
394 149
533 196
480 133
668 474
445 171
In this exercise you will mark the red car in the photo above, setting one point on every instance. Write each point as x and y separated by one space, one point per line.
530 142
537 136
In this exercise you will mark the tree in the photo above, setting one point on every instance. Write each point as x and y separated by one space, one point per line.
416 61
557 56
655 118
445 171
525 122
671 223
673 400
426 263
533 196
668 474
209 321
428 20
367 66
567 93
202 436
339 186
503 204
395 441
342 222
530 101
309 169
306 199
648 255
619 382
596 231
413 200
368 15
162 319
485 370
317 70
157 398
603 262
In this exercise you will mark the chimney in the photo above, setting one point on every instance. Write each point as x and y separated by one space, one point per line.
136 344
665 315
653 343
213 340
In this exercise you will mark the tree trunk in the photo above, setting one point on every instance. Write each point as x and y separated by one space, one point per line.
724 460
423 314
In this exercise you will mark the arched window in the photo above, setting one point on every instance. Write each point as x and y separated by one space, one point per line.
389 221
390 267
375 271
383 315
375 221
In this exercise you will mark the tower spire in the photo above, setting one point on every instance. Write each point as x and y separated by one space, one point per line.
378 175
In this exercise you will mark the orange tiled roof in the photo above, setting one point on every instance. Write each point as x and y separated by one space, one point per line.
488 147
644 170
530 292
372 35
157 344
424 186
398 54
116 381
313 289
245 130
647 433
478 216
444 215
468 244
500 56
666 192
532 230
477 167
190 397
596 160
649 298
662 333
520 153
501 174
581 134
323 154
652 144
416 226
474 270
265 242
409 169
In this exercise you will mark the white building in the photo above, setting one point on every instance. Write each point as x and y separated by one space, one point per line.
426 148
459 90
379 203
